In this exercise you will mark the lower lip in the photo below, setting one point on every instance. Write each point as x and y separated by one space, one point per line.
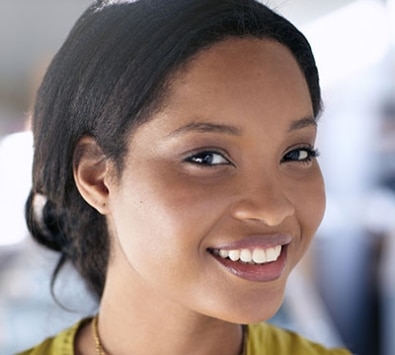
256 272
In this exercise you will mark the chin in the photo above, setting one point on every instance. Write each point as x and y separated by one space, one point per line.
260 315
254 311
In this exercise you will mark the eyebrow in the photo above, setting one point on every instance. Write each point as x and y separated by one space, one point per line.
204 127
302 123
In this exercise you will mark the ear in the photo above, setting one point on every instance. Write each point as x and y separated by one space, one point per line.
92 172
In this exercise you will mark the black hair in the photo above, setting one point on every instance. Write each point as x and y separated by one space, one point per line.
109 76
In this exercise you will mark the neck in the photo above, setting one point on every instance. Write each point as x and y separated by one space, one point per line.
122 332
137 320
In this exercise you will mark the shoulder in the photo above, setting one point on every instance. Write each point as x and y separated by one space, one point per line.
60 344
264 338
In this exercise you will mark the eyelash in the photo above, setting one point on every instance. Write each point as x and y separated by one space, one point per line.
312 153
202 158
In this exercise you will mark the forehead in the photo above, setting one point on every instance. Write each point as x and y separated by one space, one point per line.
251 86
249 71
243 52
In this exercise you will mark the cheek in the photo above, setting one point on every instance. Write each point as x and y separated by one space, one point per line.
162 218
148 238
162 231
310 205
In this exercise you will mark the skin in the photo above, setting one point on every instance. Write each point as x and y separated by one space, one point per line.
246 100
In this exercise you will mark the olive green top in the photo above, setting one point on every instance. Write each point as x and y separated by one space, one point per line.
263 339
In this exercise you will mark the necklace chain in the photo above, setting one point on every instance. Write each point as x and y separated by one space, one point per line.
100 349
96 337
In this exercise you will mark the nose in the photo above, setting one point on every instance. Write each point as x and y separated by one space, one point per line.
267 203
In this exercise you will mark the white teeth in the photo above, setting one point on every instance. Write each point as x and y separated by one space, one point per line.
245 256
257 256
223 253
234 255
273 253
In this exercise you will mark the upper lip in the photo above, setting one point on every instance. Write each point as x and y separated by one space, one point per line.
256 241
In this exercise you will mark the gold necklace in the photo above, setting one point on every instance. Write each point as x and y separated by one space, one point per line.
100 349
96 338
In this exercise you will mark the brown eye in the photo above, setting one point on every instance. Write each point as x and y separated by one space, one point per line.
300 155
208 158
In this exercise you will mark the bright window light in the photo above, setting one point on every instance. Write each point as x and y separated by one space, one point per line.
349 40
15 181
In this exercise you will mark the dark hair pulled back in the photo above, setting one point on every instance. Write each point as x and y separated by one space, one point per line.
109 77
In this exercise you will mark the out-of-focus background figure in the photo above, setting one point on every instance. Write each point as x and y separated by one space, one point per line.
344 291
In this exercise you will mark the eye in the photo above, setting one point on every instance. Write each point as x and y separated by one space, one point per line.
208 158
302 155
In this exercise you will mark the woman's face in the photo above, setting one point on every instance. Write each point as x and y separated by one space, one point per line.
221 192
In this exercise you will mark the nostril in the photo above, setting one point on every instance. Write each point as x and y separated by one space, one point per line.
271 212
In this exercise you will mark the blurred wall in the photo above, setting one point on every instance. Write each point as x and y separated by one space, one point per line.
30 33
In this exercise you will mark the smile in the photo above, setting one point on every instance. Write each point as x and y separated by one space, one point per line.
257 259
250 256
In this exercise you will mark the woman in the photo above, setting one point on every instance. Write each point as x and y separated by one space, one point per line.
174 148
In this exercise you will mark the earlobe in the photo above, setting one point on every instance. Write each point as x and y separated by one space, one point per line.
91 173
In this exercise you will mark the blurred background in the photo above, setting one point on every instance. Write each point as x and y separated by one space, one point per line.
343 293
